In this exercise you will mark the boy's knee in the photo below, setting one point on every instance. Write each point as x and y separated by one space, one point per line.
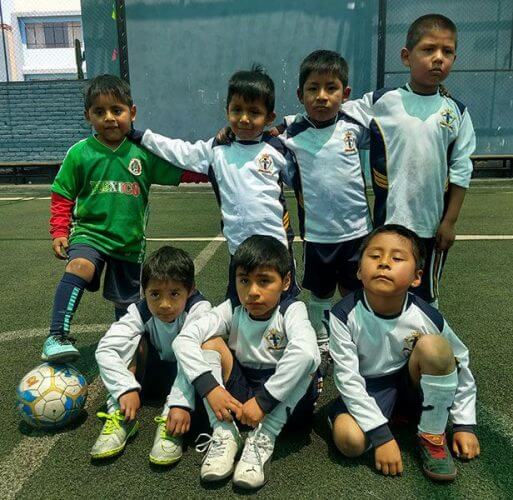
215 344
348 437
434 354
81 267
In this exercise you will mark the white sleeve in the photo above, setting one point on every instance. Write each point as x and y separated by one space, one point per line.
460 165
301 356
360 110
187 345
348 380
463 410
116 350
195 157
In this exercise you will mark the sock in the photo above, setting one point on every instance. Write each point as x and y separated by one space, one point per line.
213 358
317 308
120 311
438 391
67 297
112 405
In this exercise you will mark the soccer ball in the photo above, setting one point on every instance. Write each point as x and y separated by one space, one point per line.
51 395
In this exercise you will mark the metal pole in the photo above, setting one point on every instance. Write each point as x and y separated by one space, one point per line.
3 42
382 36
124 72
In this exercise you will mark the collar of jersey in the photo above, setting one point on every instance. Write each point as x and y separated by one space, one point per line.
409 89
406 303
257 140
99 146
326 124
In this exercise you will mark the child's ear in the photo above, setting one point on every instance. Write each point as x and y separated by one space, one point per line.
299 93
418 278
133 112
359 273
405 57
192 290
270 118
346 94
286 282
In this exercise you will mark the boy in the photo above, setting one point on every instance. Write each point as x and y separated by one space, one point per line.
99 210
421 142
388 344
137 362
262 372
330 187
247 173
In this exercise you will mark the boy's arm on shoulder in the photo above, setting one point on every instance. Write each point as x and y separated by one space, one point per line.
361 110
116 350
351 384
460 165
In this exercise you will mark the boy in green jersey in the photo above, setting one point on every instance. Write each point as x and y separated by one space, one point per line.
99 210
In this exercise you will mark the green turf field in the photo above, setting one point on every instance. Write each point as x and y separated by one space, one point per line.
476 299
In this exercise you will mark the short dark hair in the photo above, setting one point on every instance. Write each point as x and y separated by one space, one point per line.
168 263
262 251
107 84
323 61
419 250
424 24
252 85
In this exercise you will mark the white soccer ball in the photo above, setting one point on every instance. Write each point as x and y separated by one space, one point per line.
51 395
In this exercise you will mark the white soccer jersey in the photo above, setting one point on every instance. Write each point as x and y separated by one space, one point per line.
246 176
364 344
118 347
330 187
286 342
419 144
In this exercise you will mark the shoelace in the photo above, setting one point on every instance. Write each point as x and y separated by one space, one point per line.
112 421
64 339
214 445
257 443
163 431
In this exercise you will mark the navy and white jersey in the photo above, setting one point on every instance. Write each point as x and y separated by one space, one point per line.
118 347
330 187
419 144
247 178
286 342
364 344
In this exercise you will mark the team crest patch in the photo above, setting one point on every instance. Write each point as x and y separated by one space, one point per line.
276 340
409 343
135 166
448 118
265 163
349 140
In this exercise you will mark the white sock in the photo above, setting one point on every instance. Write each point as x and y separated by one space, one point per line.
438 391
317 308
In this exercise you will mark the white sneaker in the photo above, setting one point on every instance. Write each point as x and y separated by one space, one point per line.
221 449
114 435
252 471
166 449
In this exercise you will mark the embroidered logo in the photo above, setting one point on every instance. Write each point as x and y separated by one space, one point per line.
135 166
409 342
349 142
448 118
276 340
265 163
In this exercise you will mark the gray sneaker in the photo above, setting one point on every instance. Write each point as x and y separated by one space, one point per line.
114 435
166 449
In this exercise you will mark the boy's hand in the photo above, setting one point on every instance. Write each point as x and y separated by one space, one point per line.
445 235
223 404
465 445
225 136
178 422
388 458
60 247
135 136
251 413
276 131
129 403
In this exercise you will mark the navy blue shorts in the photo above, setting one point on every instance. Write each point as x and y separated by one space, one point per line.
122 281
394 394
243 383
330 264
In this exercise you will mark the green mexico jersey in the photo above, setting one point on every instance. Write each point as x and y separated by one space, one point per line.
110 189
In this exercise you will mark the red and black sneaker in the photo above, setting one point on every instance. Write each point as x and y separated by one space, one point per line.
437 461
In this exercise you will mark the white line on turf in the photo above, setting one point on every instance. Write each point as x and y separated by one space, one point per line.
42 332
29 454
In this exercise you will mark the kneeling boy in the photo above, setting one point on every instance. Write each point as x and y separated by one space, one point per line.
388 345
267 364
137 362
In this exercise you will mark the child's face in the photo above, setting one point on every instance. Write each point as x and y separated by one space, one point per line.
260 290
388 267
166 299
322 94
431 60
248 118
111 119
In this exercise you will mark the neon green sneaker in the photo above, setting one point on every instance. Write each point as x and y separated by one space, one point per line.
166 449
114 436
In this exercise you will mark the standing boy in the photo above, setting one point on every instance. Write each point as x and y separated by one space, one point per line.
421 142
261 352
389 345
330 187
99 211
137 362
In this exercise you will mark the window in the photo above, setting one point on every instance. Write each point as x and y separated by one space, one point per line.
50 35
